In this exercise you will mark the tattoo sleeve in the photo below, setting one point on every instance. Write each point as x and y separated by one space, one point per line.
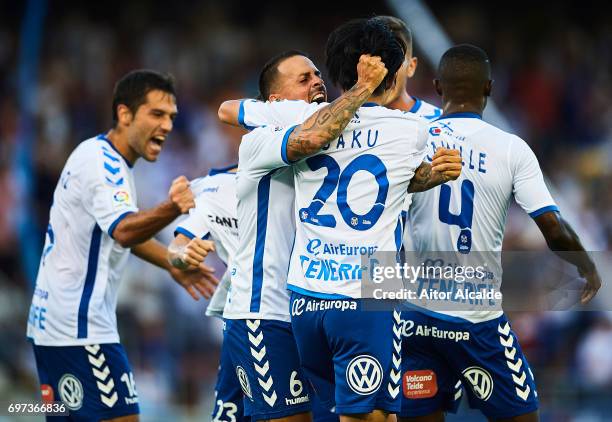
424 179
326 124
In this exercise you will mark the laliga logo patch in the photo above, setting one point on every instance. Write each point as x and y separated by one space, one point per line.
71 391
121 197
480 380
364 375
244 382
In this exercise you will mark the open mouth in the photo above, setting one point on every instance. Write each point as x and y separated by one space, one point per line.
157 142
318 97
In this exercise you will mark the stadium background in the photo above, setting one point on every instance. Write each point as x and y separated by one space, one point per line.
59 60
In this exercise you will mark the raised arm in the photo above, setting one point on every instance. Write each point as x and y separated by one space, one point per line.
139 227
327 124
561 237
445 166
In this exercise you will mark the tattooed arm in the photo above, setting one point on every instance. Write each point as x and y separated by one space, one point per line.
445 166
328 123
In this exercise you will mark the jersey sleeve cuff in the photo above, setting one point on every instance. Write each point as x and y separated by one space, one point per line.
184 232
241 116
114 224
284 145
542 210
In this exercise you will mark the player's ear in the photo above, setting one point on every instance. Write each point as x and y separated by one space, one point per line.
412 65
437 87
488 88
274 97
124 114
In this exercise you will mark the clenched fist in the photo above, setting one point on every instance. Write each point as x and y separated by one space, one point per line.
370 71
181 195
196 251
447 163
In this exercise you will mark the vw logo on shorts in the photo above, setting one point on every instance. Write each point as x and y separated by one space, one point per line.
244 382
71 391
480 380
364 375
297 307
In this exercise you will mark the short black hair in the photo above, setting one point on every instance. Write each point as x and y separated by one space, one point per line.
269 73
132 89
464 63
400 30
362 36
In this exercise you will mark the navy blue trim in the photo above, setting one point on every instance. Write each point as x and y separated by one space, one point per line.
227 169
284 145
319 295
542 210
184 232
113 225
461 115
241 116
103 137
370 104
90 279
263 197
399 230
416 106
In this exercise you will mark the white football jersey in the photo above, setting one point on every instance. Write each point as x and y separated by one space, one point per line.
469 214
428 112
349 200
75 296
266 231
214 216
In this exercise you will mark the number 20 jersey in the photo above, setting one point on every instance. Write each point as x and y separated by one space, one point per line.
349 200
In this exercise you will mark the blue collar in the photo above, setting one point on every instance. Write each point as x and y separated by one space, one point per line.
227 169
460 115
103 137
370 104
416 106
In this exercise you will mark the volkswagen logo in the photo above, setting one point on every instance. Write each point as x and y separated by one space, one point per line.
71 391
297 307
244 382
480 381
364 375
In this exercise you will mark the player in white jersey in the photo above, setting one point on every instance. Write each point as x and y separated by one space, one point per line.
94 221
298 144
214 218
468 216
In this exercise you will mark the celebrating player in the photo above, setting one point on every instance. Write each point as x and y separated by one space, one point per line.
94 221
468 216
213 217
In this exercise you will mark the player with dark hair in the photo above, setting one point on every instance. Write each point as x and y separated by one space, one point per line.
350 359
290 75
94 223
402 99
468 216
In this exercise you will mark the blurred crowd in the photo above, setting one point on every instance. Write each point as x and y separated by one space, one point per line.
553 81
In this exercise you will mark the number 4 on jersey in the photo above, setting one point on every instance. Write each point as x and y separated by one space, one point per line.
464 218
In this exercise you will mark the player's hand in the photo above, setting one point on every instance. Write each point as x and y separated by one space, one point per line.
447 162
181 195
196 251
198 282
370 71
593 283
